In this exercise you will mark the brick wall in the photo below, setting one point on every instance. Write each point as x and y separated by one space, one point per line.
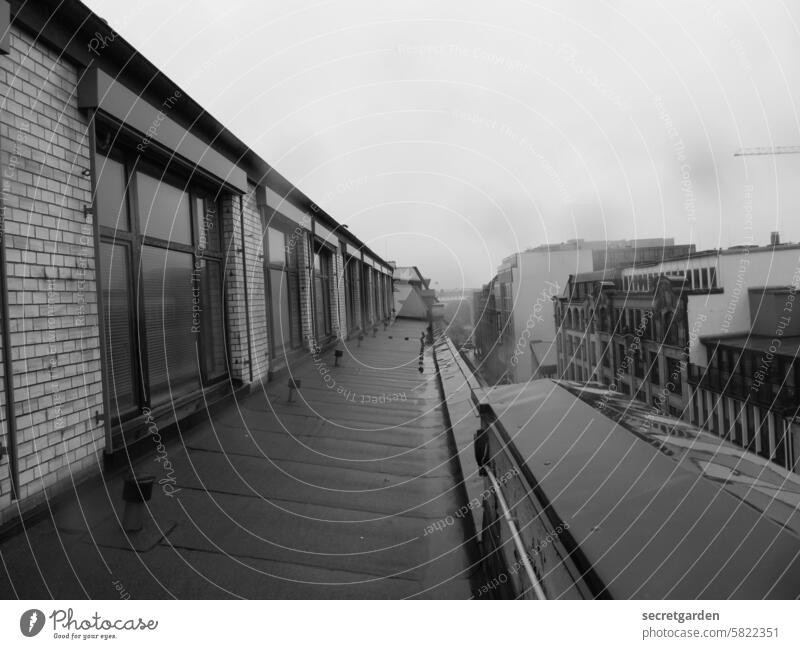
254 248
340 289
50 272
238 352
244 344
304 273
338 306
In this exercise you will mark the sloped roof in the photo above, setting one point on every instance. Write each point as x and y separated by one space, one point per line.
408 274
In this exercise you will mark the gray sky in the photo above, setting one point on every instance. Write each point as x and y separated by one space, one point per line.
450 134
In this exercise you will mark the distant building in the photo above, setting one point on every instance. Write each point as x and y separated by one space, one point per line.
413 297
631 339
515 338
712 337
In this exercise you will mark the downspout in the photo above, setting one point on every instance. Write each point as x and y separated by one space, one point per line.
336 294
246 296
104 370
364 294
312 297
13 468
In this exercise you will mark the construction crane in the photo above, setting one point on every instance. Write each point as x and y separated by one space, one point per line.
767 150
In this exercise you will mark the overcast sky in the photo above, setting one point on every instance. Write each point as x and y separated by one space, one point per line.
451 134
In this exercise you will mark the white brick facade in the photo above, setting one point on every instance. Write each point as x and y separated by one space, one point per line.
50 272
254 251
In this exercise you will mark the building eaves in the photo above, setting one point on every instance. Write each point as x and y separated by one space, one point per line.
69 27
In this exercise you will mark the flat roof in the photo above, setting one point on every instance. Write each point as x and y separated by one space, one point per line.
656 506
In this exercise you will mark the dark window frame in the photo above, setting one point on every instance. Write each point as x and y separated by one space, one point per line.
324 252
291 271
134 240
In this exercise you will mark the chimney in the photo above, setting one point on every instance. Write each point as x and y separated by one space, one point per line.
774 238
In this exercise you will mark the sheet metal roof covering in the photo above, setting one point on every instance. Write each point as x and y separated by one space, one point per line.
658 507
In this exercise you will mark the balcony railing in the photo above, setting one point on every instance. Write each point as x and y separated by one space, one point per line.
773 396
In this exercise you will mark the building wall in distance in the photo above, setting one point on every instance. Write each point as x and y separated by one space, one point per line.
537 278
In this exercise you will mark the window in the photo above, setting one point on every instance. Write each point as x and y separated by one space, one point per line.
322 292
738 424
277 247
172 362
161 284
117 319
638 365
283 285
378 297
763 437
353 283
211 301
724 365
206 226
622 363
779 455
111 196
674 376
726 418
750 429
163 210
655 379
670 329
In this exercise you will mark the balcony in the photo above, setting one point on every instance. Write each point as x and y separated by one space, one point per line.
346 491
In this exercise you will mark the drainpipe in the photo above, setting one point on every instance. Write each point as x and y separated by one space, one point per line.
311 289
13 469
104 370
334 257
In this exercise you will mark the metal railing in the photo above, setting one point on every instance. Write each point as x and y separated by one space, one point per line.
512 526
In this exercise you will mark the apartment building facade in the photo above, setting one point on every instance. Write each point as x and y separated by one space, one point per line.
634 341
151 263
516 337
729 334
